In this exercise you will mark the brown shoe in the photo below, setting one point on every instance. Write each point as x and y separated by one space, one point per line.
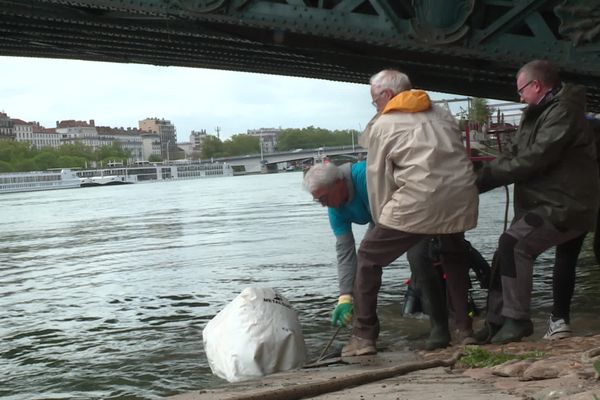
464 337
358 346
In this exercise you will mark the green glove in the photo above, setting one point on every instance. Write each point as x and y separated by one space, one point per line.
342 315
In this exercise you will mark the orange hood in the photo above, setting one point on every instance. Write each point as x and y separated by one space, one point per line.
408 101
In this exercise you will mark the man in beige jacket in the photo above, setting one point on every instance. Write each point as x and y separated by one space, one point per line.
420 184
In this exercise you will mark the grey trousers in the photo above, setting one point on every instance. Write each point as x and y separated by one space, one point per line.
518 247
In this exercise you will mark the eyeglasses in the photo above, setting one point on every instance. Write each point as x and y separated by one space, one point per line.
520 90
376 99
321 199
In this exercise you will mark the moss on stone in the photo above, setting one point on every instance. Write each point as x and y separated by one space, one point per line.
477 357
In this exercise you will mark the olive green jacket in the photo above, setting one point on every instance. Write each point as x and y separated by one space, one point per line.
552 163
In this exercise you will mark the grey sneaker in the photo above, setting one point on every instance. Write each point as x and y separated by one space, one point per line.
558 329
358 346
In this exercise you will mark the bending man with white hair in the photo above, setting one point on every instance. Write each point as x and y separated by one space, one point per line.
343 190
420 184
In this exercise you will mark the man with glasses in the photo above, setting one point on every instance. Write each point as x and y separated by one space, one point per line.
552 163
420 185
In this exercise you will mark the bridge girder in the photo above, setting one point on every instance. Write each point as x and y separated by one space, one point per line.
470 47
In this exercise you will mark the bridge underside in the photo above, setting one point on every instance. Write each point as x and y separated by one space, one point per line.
468 47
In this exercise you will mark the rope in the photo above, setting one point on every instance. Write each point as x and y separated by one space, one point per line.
329 343
506 208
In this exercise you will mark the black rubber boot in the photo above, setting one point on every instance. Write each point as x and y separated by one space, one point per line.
485 334
513 330
439 337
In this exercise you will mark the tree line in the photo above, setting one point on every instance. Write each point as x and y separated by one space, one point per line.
22 156
289 139
313 137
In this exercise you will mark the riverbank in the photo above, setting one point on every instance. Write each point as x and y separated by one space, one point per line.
554 370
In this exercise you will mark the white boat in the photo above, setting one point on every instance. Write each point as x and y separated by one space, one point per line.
107 180
38 180
176 170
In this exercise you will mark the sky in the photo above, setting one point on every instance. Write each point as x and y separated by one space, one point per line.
119 95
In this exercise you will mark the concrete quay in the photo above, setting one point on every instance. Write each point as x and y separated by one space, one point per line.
562 370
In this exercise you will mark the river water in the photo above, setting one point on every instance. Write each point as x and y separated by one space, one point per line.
104 292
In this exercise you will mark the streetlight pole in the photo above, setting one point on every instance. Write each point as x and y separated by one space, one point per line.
260 140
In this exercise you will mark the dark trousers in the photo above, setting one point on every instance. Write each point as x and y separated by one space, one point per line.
453 255
518 247
379 248
563 277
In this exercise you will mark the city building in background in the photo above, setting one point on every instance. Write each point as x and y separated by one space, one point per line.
129 138
151 145
23 130
36 134
154 138
193 148
6 127
197 138
141 145
166 132
267 137
72 131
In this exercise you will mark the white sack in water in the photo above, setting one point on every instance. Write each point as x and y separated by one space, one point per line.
257 334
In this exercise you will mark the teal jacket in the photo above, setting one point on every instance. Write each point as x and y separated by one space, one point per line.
355 210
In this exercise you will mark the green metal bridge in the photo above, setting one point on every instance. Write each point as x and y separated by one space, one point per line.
468 47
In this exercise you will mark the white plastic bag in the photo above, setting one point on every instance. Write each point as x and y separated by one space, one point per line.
258 333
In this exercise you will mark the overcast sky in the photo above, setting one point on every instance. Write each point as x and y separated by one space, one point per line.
119 95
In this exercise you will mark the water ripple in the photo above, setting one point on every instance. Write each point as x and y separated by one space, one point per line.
104 293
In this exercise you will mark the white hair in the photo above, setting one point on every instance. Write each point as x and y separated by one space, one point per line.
391 79
321 175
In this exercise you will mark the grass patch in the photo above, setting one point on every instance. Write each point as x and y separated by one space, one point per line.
476 357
